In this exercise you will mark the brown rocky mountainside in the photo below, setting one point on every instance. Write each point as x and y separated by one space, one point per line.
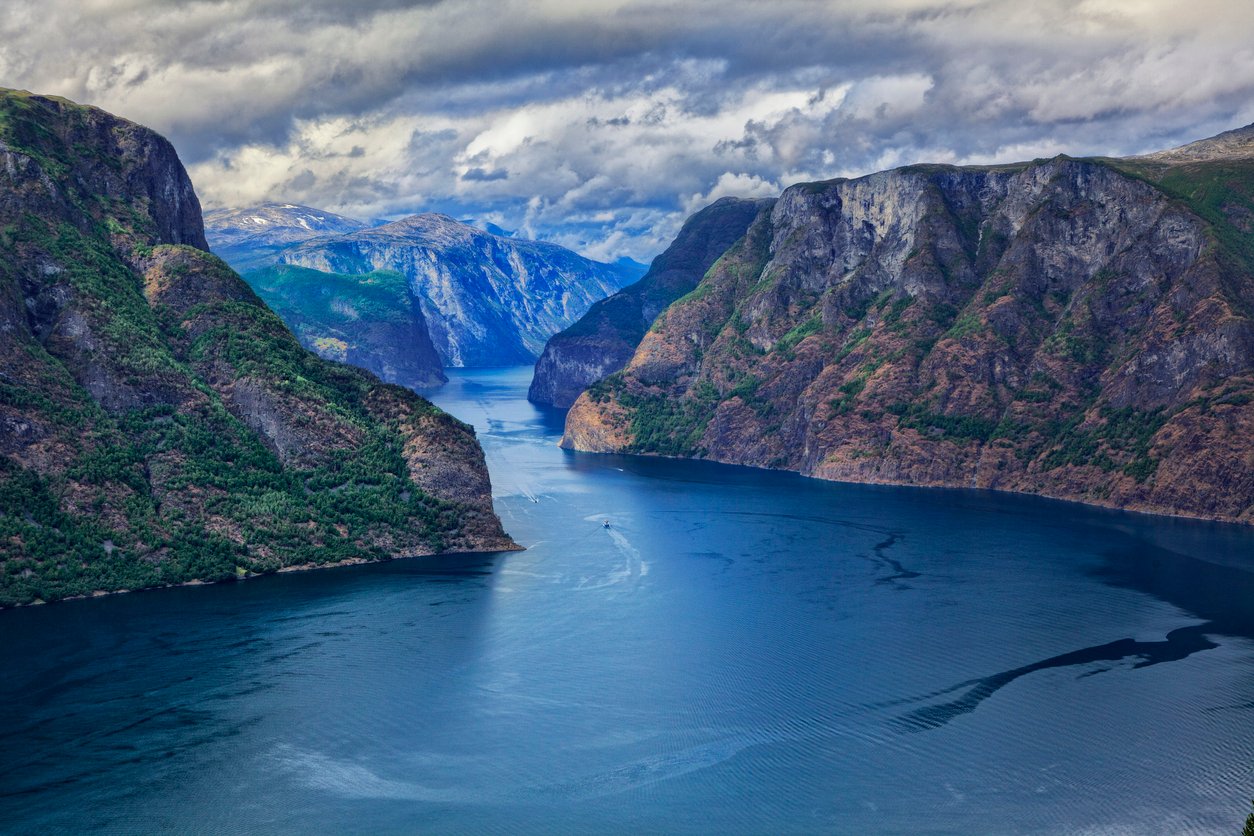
603 339
159 424
1074 328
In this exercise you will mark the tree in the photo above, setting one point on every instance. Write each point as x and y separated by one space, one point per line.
1249 824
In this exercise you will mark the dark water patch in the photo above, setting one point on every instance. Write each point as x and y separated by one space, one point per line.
239 692
37 694
1179 644
308 616
810 518
899 572
1221 593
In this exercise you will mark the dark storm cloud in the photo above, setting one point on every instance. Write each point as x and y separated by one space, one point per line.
601 124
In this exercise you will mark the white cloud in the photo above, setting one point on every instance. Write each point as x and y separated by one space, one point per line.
732 185
600 124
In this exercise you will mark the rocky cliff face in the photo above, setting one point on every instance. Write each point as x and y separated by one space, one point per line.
604 338
487 300
1074 328
158 424
371 320
250 238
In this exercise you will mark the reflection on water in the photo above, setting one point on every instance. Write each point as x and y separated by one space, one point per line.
1221 593
740 651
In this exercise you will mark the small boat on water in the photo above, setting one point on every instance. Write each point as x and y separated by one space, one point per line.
605 524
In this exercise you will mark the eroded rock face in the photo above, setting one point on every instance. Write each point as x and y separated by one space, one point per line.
604 338
110 157
445 460
159 424
488 300
1075 328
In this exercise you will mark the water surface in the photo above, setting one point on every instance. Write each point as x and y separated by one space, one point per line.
740 651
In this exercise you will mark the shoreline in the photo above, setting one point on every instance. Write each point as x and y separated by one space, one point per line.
1108 506
296 567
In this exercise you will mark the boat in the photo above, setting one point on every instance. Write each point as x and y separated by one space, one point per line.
606 524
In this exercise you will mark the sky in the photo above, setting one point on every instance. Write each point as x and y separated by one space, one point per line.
602 125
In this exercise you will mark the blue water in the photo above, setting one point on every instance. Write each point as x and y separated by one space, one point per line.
741 651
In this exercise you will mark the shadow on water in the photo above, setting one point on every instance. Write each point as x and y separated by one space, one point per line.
552 420
1220 594
1178 645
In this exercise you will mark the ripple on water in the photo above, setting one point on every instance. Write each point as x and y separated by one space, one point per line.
739 652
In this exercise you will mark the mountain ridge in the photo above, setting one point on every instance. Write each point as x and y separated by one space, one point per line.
249 238
1236 144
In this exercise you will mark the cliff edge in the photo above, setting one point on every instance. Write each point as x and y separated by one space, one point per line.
1079 329
159 424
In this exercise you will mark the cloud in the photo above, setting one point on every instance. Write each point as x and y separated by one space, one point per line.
732 185
483 176
600 124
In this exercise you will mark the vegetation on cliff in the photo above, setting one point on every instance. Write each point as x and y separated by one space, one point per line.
159 424
370 320
1076 328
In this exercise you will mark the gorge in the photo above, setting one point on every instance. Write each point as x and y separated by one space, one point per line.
684 645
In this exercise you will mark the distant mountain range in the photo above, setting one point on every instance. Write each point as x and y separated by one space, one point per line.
249 239
604 338
1077 328
476 298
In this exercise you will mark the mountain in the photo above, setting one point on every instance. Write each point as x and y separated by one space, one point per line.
487 300
367 319
630 269
371 320
1231 146
249 239
159 424
603 339
1077 328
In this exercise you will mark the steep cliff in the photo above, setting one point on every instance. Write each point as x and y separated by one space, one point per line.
1074 328
371 320
603 339
158 424
488 300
